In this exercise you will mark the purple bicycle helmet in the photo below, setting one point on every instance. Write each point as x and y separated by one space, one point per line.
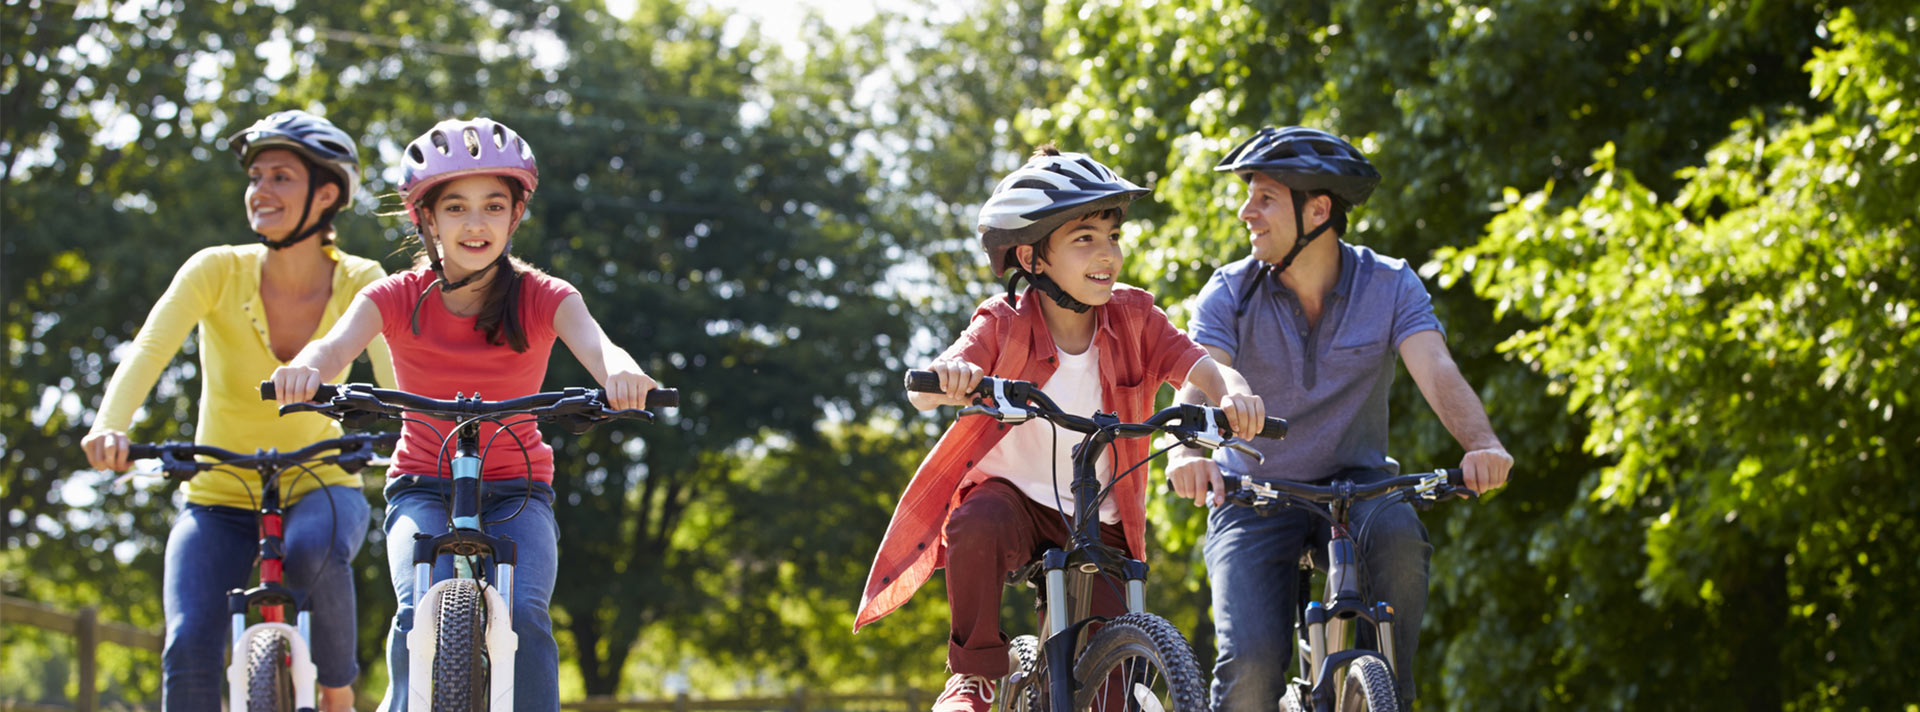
457 148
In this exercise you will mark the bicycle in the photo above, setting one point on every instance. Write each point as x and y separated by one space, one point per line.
1359 678
463 628
1149 657
271 668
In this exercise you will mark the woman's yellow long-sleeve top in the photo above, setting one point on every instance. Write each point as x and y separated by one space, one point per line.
218 289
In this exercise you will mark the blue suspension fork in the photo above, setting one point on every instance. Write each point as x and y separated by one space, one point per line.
467 537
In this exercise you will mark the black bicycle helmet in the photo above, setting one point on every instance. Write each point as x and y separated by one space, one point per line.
1308 162
320 143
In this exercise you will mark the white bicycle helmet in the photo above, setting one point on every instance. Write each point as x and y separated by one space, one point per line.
1052 188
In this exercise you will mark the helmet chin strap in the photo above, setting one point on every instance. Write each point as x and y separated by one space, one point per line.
440 274
306 208
1047 286
1300 241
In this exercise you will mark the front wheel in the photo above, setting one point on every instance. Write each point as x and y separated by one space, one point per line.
1369 687
1139 662
460 681
270 672
1025 686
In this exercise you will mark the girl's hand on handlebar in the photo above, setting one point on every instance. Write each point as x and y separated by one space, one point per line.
1194 475
957 380
106 450
1246 414
627 389
295 384
1486 469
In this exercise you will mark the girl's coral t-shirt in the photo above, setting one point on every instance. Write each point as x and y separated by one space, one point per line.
449 357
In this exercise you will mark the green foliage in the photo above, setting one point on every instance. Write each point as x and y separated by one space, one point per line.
1744 353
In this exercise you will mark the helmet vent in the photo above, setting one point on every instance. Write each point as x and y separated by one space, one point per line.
472 139
499 137
440 142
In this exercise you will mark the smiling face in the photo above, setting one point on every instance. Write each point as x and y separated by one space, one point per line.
1083 256
1268 215
471 219
276 185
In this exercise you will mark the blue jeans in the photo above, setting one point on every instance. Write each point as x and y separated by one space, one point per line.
417 503
1253 562
211 551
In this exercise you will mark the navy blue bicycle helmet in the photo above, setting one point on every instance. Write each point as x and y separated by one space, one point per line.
318 142
1308 162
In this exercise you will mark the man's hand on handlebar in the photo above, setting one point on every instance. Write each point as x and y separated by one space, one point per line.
1486 469
295 384
1195 475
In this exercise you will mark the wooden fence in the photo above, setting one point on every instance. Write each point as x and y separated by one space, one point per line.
88 632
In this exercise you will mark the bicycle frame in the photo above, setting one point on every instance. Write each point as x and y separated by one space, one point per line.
466 538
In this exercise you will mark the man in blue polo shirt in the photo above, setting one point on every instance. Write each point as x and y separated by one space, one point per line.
1315 326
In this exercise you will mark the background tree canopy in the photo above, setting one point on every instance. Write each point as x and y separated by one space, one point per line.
1672 242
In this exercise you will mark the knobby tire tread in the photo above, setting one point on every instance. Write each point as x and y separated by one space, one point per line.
459 661
1149 637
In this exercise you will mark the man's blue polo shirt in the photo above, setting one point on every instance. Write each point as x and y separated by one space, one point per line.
1330 382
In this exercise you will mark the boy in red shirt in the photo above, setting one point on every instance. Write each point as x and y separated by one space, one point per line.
986 501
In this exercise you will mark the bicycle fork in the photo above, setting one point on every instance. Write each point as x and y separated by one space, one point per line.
466 539
1328 653
1070 579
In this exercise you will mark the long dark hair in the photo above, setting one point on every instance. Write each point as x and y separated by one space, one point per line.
499 313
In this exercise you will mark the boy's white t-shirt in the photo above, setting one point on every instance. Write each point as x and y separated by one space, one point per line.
1031 451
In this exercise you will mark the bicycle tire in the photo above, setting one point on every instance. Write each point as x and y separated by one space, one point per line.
1145 654
460 681
1290 702
1369 687
270 673
1025 686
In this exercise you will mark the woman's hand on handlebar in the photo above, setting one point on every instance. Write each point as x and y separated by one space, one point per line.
107 450
295 384
1195 475
627 389
958 378
1246 414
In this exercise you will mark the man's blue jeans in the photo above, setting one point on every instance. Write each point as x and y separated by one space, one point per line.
1253 562
211 551
419 504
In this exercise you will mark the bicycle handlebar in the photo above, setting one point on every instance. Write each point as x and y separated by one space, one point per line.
576 408
178 459
1012 398
1430 486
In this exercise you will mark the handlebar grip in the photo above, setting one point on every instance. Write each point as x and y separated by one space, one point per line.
1456 477
663 398
923 382
143 451
325 392
1276 429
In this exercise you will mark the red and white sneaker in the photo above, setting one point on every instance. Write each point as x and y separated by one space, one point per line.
966 693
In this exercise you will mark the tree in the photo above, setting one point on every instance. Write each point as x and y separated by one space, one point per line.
1743 351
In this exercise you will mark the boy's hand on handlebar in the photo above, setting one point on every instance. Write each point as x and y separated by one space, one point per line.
295 384
957 380
627 390
1196 476
1246 414
1486 469
106 450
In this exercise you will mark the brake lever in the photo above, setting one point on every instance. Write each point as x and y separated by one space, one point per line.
1241 446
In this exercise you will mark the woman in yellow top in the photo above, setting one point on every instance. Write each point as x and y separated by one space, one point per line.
256 306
